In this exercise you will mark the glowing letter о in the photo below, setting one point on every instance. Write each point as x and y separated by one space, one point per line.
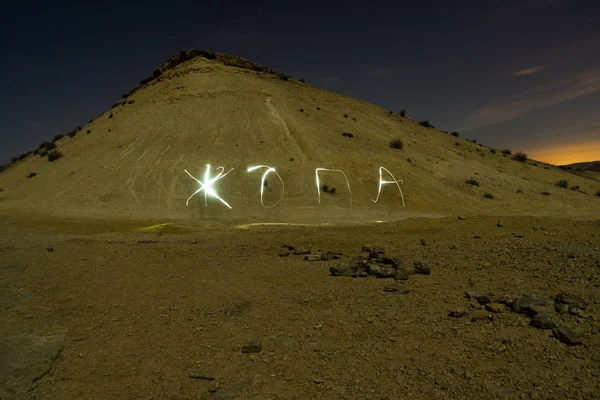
262 183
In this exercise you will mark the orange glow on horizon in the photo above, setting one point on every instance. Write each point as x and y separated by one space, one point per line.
568 153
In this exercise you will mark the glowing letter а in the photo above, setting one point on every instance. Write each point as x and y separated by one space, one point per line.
382 182
332 170
262 183
207 185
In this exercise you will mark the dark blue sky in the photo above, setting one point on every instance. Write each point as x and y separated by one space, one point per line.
518 74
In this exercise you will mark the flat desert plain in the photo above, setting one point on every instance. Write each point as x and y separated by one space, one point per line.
100 310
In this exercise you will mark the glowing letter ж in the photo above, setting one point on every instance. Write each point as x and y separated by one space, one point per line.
332 170
207 185
382 182
262 183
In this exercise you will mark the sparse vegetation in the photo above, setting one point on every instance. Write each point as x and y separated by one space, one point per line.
89 131
131 102
110 116
14 159
520 156
31 174
36 152
302 110
54 155
472 181
72 133
397 144
345 115
493 151
426 124
24 156
327 189
283 77
301 80
455 134
43 153
456 143
318 108
347 134
546 193
574 187
488 195
562 184
402 113
506 152
57 137
597 193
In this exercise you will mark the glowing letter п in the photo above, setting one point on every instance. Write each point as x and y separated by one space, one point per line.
382 182
332 170
262 183
207 185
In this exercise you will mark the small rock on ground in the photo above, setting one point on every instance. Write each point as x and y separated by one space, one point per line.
253 346
422 267
567 335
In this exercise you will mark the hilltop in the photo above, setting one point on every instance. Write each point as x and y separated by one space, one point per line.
204 108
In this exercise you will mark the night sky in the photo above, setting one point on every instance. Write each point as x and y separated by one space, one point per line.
523 75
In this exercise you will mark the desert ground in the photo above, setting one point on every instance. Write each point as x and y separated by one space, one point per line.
101 310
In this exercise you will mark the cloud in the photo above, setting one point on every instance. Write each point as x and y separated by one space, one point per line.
532 70
553 93
382 73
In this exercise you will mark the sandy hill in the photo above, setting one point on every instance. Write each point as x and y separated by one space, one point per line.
585 166
206 108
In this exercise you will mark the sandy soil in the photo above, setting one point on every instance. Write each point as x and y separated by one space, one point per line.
114 312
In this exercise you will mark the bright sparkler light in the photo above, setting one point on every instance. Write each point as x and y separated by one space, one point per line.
382 182
262 183
332 170
207 185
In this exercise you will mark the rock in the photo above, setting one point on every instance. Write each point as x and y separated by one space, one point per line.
253 346
366 249
194 241
395 289
404 272
422 267
572 300
289 247
284 254
476 237
312 257
452 247
567 335
481 298
545 320
481 315
561 308
499 224
378 250
301 251
579 312
457 313
381 271
50 249
25 359
394 261
495 308
461 218
353 270
201 377
504 299
424 242
328 256
524 303
535 310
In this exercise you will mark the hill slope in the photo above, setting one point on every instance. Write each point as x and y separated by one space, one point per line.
200 111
